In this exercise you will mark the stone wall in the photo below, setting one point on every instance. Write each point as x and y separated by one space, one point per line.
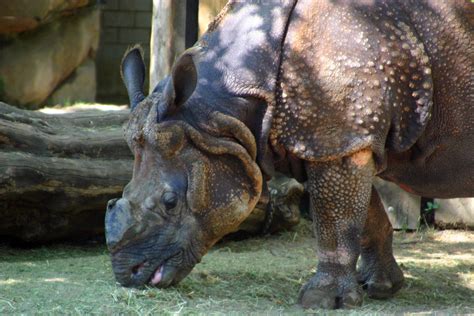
47 51
124 22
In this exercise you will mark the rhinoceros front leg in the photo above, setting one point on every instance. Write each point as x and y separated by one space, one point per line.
340 194
378 270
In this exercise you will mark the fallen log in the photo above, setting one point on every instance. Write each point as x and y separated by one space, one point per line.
57 172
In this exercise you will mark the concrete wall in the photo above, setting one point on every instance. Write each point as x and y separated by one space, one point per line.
124 22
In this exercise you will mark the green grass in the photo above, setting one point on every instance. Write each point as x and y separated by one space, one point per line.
255 276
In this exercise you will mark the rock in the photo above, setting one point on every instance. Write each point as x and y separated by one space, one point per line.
24 15
80 86
455 212
45 58
403 208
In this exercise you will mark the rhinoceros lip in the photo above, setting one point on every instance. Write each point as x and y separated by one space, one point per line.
162 276
159 273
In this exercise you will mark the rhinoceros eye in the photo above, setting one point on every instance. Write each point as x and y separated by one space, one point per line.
169 200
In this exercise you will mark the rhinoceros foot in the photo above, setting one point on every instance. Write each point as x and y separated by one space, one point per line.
330 292
380 279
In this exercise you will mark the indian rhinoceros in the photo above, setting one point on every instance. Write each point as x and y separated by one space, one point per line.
332 92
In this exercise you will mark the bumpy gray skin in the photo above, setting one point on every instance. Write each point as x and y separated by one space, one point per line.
332 92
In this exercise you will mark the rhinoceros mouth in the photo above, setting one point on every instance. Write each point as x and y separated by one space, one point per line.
147 273
161 275
168 273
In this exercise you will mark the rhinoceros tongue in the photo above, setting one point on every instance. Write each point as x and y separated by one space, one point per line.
157 276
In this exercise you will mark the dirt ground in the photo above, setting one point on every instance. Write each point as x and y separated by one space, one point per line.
254 276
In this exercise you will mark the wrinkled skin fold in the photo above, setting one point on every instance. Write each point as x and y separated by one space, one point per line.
169 200
333 93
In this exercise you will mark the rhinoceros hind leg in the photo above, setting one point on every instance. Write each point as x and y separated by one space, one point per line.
378 271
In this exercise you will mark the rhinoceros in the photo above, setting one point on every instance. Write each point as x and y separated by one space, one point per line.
332 92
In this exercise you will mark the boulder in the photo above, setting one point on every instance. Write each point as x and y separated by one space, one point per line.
24 15
32 65
80 86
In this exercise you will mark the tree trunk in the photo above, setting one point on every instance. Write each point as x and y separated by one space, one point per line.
174 28
168 28
57 173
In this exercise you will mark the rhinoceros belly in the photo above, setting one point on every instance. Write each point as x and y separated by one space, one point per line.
443 170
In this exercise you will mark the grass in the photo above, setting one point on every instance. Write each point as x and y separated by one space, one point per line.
254 276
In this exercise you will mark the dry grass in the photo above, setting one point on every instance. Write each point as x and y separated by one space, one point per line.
256 276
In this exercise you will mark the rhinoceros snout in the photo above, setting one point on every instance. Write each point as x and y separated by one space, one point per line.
118 220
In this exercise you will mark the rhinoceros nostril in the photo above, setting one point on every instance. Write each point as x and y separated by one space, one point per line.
137 269
111 203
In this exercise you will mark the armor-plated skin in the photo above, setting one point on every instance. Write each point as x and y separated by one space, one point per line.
332 92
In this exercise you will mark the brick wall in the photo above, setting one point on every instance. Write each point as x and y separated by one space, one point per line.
124 22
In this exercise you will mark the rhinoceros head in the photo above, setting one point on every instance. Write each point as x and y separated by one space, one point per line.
194 181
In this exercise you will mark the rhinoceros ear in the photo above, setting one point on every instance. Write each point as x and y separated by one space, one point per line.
133 74
180 86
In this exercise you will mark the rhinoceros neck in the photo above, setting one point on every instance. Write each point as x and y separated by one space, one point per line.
238 64
241 50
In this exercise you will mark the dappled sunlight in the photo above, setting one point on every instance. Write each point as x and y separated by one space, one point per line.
454 237
438 257
82 107
10 282
55 280
467 279
29 279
